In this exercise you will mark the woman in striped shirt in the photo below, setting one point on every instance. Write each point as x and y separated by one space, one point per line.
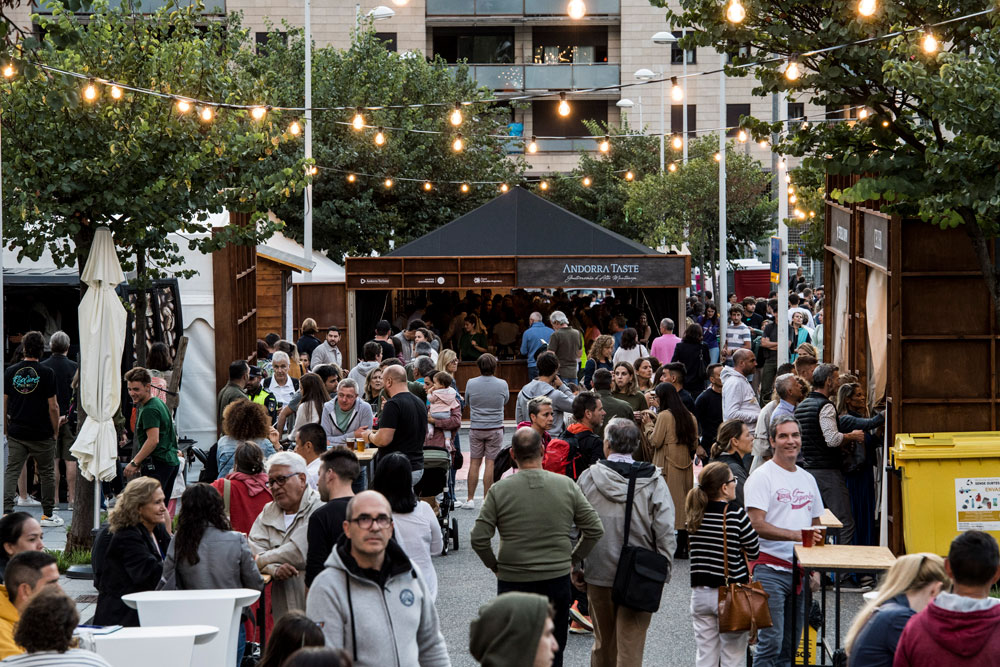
708 506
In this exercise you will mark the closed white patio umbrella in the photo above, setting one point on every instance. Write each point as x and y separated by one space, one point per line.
102 340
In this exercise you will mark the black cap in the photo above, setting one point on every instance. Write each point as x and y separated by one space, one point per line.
256 372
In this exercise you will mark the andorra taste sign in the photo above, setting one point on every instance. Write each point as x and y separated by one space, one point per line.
571 272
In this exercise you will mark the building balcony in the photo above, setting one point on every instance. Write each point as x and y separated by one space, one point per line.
212 7
514 78
517 7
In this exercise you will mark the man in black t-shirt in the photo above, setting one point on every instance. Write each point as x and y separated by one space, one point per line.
767 356
32 424
402 426
382 331
64 370
337 472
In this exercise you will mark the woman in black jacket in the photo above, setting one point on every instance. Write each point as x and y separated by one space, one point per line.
732 443
133 560
859 467
693 353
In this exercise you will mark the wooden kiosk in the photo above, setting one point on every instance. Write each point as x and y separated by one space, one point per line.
516 241
908 312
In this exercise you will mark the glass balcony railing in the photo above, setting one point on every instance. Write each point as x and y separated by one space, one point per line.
142 7
543 77
517 7
565 145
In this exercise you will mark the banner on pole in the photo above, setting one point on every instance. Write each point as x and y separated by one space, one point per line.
775 260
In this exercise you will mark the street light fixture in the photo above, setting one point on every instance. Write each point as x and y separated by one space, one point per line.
679 93
624 104
646 74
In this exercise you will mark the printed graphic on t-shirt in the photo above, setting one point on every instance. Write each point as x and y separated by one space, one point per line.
25 380
797 498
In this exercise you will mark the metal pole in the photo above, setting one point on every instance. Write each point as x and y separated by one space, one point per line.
684 108
307 241
663 125
779 109
723 287
3 342
642 128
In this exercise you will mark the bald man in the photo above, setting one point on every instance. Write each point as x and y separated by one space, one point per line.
739 401
402 424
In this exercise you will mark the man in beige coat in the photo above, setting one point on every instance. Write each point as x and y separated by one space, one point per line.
279 538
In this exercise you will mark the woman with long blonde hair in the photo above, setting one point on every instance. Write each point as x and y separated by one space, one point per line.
912 583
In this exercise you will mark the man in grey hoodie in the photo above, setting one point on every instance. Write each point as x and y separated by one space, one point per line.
738 398
372 353
370 600
546 384
345 416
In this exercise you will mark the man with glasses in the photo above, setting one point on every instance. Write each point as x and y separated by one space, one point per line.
279 537
370 600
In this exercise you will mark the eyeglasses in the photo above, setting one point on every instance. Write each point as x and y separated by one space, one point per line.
279 481
365 521
731 481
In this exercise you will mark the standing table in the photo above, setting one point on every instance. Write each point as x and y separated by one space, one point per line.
836 559
367 459
163 646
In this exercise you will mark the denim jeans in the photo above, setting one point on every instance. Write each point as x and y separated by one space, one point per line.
241 643
777 644
532 372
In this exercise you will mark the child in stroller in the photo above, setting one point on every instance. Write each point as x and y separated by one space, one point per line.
437 464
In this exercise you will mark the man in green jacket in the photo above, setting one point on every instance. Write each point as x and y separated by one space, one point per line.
534 512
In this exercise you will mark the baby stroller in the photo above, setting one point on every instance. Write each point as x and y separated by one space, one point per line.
437 464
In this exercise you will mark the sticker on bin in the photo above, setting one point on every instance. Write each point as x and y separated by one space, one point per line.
977 503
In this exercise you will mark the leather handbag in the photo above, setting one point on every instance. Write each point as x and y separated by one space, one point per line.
641 572
742 607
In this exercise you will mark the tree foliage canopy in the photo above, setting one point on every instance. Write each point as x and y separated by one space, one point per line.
135 164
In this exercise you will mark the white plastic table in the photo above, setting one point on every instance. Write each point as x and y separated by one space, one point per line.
219 607
168 646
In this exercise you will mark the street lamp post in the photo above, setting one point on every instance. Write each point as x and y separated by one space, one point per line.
624 104
723 286
645 74
667 38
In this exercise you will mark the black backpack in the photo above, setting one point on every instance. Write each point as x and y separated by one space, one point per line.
502 464
210 464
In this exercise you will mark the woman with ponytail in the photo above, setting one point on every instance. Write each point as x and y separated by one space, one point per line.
710 509
913 582
732 443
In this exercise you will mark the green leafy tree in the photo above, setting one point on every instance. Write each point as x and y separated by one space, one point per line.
357 218
683 206
928 146
807 211
603 201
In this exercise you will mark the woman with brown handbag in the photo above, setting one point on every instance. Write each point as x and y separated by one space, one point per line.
720 534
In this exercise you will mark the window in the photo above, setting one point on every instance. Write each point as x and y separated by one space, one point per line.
477 46
262 38
547 121
733 113
833 112
675 52
387 38
570 45
796 110
677 120
742 52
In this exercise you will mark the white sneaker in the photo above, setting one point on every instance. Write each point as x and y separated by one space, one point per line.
469 504
51 521
28 502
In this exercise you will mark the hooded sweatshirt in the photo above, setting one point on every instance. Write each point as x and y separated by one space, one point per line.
562 401
392 624
605 486
952 630
360 373
508 630
8 619
738 399
360 417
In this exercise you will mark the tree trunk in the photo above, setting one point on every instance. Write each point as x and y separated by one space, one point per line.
140 308
981 246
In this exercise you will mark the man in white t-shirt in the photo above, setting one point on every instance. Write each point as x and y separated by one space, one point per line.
781 500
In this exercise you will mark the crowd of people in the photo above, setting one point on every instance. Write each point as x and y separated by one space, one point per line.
604 456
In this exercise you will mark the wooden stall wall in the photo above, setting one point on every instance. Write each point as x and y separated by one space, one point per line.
234 276
327 304
272 282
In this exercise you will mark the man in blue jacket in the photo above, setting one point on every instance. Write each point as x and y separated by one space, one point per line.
533 339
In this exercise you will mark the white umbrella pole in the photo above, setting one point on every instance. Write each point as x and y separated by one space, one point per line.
3 343
883 529
97 503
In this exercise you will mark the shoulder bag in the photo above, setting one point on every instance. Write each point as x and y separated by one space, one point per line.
641 572
742 607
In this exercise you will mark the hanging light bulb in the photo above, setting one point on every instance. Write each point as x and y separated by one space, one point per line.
544 185
295 129
503 187
676 92
388 183
929 42
351 178
8 70
741 136
313 170
812 214
791 189
867 7
456 115
885 123
465 187
805 126
763 144
576 9
792 71
358 122
586 181
629 176
672 167
379 137
605 144
564 109
427 186
781 165
788 177
258 113
207 113
792 199
116 93
457 145
862 113
90 92
183 106
532 145
718 158
735 12
677 142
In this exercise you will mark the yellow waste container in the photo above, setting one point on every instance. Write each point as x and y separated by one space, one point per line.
951 483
